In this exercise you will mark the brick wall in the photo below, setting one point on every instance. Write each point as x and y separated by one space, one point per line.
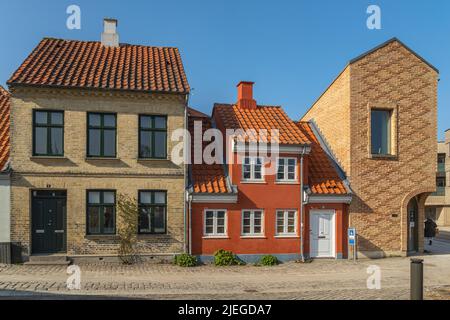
76 174
390 77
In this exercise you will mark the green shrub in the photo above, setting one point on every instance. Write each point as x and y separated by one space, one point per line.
268 260
185 260
226 258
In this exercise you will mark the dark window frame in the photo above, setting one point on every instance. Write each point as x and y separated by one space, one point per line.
151 206
389 132
101 205
102 129
153 130
49 126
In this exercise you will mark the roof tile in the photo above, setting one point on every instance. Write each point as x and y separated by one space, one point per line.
89 64
4 128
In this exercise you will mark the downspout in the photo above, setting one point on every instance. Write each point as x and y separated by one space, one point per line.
302 256
190 223
185 249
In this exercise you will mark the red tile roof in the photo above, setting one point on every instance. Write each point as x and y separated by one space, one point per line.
205 178
323 176
89 64
4 128
263 117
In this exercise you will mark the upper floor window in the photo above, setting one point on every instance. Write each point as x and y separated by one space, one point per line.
441 158
287 169
102 128
215 223
252 169
252 222
48 133
381 132
152 137
440 182
101 212
152 212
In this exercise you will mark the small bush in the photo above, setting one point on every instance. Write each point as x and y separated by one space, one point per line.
185 260
268 260
226 258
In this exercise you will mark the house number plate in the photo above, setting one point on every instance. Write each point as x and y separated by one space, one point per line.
40 231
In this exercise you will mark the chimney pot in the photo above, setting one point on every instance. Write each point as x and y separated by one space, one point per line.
245 95
110 37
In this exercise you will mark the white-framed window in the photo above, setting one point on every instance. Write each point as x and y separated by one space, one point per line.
215 223
286 222
253 168
252 222
286 169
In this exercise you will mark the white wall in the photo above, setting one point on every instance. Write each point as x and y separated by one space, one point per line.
5 191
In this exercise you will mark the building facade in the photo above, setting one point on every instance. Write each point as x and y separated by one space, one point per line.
5 183
254 204
91 122
438 203
379 118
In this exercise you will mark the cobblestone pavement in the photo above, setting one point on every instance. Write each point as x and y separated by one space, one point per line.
321 279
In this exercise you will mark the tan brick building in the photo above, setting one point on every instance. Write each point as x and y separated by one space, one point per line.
91 121
379 118
438 203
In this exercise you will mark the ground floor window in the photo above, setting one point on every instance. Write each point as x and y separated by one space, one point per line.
215 223
286 222
101 212
152 212
252 222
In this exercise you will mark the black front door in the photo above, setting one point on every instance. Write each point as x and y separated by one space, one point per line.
48 216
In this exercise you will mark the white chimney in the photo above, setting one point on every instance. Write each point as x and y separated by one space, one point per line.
110 37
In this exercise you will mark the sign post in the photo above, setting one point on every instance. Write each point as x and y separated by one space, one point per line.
351 235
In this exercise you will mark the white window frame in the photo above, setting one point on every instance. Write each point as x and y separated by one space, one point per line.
286 169
215 233
252 168
252 223
285 223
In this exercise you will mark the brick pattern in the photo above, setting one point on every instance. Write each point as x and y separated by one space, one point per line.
76 174
390 75
89 64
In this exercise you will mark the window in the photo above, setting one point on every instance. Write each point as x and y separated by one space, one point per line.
101 212
48 133
215 223
252 168
152 212
102 135
441 158
152 137
381 132
286 222
252 222
440 182
287 169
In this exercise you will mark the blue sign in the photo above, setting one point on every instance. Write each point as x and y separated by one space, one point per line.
351 242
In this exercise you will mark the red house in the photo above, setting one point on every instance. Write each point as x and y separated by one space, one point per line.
252 204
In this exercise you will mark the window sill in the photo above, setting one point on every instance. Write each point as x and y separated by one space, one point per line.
287 236
48 158
383 156
253 182
215 237
152 159
102 158
253 237
101 237
151 235
287 182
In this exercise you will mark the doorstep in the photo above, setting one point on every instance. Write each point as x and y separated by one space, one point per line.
48 259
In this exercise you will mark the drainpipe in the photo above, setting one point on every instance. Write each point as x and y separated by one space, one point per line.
190 223
302 256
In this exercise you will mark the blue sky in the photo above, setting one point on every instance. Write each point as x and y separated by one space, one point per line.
291 49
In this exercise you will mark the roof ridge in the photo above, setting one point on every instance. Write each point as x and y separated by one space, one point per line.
97 41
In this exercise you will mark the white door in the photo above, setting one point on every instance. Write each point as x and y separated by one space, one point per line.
322 233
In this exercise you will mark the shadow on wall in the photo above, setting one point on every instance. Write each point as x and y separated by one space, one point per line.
359 205
365 244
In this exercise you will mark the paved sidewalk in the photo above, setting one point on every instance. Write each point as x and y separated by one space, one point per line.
321 279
